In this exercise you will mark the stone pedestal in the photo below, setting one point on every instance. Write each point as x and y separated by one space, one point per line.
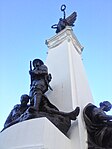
33 134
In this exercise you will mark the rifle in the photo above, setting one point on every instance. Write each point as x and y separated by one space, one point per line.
30 71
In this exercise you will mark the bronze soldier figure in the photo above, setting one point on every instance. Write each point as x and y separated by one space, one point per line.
39 82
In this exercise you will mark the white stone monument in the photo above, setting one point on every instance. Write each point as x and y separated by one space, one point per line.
69 81
70 89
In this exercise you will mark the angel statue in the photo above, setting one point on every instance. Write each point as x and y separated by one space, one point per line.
63 22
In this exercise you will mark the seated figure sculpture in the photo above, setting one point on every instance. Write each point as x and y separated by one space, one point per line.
99 125
17 111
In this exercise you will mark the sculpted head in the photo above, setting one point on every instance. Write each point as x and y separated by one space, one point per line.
24 99
106 105
37 62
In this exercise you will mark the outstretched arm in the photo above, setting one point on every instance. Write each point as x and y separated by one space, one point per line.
100 115
105 117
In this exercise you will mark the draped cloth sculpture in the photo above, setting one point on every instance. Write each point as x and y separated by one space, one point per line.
99 126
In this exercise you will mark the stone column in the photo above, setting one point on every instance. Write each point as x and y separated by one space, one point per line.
69 83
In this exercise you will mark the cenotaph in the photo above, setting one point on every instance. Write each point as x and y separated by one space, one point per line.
70 90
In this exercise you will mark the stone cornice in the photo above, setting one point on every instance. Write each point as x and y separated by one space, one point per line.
65 34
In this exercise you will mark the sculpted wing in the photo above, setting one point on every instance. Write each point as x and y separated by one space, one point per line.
71 19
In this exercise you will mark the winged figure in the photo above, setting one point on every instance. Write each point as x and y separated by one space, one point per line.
63 22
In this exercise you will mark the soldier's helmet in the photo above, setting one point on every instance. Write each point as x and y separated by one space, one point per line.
35 61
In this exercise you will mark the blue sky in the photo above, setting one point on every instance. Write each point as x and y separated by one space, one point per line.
24 27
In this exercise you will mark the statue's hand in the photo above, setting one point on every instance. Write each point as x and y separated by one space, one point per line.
31 72
49 77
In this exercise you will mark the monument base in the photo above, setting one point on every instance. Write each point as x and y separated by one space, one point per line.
34 134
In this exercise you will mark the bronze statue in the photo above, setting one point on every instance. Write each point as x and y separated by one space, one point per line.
63 22
17 111
46 106
99 125
62 120
40 106
39 82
